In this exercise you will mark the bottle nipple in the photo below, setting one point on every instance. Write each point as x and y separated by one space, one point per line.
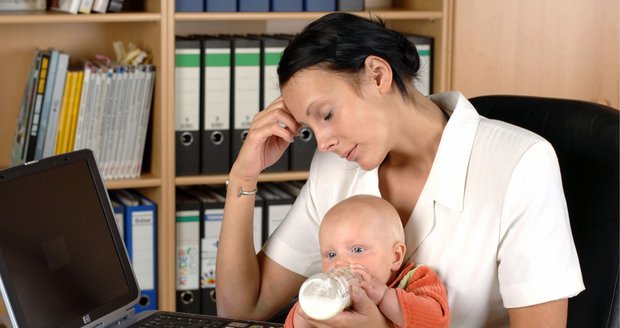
326 294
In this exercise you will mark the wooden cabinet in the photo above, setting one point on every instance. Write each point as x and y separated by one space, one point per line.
538 48
84 36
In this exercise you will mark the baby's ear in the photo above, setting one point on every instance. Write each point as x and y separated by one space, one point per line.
398 252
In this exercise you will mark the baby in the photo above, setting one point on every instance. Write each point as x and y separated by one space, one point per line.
365 233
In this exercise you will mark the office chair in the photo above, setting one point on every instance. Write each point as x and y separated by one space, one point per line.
585 138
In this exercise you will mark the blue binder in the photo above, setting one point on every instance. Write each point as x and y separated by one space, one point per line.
319 5
141 244
253 5
119 213
220 5
350 5
287 5
188 6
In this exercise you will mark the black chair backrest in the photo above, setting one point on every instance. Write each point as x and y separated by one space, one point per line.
585 138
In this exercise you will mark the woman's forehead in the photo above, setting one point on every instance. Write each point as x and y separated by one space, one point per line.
310 84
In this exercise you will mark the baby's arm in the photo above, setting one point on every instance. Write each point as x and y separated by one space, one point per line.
384 297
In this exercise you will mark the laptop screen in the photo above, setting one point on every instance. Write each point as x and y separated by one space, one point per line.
62 263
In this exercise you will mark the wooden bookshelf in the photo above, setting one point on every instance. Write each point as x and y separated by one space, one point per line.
83 36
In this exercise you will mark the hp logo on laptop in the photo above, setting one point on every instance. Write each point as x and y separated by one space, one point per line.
86 319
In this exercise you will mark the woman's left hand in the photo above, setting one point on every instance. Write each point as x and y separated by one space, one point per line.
362 313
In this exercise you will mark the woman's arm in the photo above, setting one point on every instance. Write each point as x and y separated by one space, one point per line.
249 285
550 314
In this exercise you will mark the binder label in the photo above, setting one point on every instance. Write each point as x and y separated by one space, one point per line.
271 89
212 225
187 93
143 248
247 86
188 254
217 89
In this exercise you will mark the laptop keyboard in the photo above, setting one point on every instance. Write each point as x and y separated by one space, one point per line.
182 320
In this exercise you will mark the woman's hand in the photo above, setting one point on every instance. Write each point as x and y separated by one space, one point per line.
362 313
270 134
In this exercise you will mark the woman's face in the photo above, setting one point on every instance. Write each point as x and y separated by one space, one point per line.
351 123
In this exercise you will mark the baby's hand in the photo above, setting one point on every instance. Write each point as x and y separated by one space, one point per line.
374 288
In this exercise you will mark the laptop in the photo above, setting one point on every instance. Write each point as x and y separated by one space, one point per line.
62 260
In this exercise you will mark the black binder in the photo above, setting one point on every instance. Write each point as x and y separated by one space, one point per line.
245 98
216 110
188 102
302 150
271 49
257 225
277 204
424 46
188 228
212 211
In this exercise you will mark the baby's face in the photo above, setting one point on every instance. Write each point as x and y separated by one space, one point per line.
346 241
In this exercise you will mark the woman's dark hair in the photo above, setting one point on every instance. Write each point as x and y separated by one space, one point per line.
340 42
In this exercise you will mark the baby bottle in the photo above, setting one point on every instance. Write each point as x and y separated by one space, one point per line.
325 294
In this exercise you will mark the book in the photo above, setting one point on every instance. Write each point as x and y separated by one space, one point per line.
145 112
67 6
63 119
101 6
74 105
22 5
46 106
85 105
37 103
20 138
56 104
86 6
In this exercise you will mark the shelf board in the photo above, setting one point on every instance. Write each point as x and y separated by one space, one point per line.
57 17
220 179
390 14
145 181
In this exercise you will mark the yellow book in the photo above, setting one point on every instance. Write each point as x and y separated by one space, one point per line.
75 108
61 132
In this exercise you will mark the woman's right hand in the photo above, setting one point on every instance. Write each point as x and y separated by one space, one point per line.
270 134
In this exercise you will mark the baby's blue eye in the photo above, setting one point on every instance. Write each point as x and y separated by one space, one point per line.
330 255
357 250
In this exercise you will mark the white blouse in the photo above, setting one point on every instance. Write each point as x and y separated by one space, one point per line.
491 220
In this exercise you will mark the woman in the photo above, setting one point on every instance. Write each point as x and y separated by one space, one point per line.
481 201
